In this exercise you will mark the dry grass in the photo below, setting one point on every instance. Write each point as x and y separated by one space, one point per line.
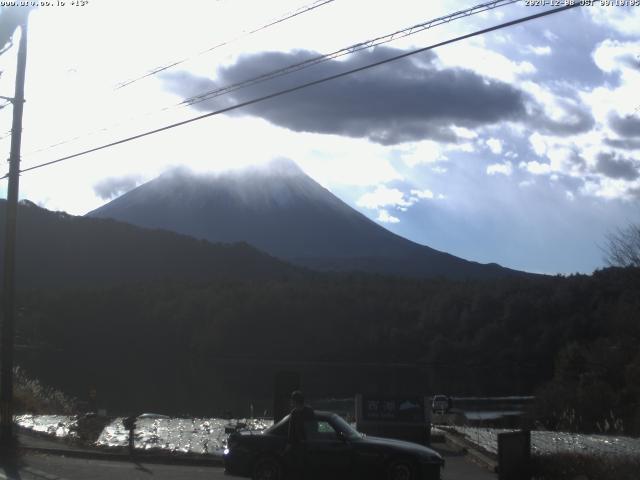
33 397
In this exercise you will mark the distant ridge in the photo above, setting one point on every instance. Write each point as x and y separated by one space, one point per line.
284 212
60 250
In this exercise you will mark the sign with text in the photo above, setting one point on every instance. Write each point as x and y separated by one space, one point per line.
393 409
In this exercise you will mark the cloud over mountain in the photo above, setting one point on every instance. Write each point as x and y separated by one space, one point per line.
406 100
112 187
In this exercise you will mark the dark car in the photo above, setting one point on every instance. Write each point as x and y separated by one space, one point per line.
333 449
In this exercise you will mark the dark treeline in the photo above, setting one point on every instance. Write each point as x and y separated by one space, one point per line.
199 348
57 250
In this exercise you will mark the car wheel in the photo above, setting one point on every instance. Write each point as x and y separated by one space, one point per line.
400 470
267 469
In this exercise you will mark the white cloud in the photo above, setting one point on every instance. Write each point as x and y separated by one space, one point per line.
385 217
624 19
608 188
538 144
483 61
494 145
466 147
422 194
536 167
563 160
609 55
563 109
463 132
424 152
546 50
383 196
615 57
505 168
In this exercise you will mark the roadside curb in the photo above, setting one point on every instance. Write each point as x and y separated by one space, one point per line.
122 457
480 457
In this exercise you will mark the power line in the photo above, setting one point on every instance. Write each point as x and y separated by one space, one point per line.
283 18
405 32
303 65
277 20
306 85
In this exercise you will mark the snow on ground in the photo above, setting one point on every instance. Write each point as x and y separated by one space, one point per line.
180 435
207 436
553 442
55 425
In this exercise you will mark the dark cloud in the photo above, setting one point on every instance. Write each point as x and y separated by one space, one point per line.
114 187
578 160
577 120
614 166
572 184
631 60
627 126
634 191
625 144
406 100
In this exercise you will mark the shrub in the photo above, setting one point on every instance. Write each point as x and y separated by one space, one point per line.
32 397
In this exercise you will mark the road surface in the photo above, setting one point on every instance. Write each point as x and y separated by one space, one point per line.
36 466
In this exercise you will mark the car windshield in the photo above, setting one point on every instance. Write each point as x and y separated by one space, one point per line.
341 425
279 427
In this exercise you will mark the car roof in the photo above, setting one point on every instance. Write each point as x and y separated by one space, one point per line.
323 413
320 414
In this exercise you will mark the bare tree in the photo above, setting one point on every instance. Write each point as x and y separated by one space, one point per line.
622 248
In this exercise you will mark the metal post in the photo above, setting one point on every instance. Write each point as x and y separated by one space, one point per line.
8 291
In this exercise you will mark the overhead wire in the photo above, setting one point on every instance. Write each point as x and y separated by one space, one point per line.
306 85
201 97
405 32
276 21
286 16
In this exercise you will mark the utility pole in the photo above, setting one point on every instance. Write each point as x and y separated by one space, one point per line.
9 288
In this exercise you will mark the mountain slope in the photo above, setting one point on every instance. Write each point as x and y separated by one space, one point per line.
284 212
57 249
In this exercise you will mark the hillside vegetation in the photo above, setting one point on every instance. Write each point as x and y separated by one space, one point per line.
57 250
203 347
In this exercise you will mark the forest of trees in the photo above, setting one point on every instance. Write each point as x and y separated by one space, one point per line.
199 348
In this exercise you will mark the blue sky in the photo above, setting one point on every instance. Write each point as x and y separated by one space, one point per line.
518 147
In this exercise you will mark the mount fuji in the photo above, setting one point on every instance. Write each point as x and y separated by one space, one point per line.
281 210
